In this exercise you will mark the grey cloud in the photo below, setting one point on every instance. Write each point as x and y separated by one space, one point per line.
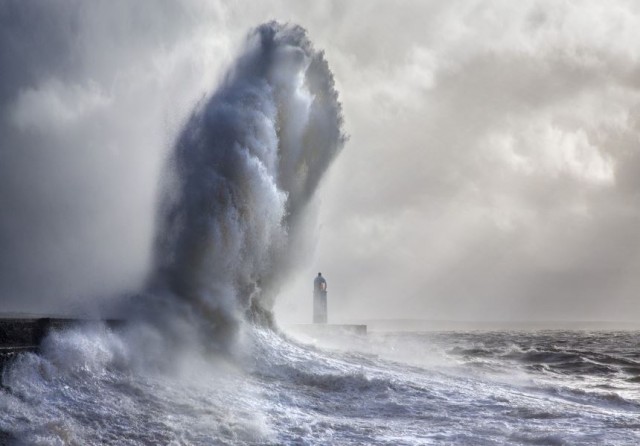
469 187
542 230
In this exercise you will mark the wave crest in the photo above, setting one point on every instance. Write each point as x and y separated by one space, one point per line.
243 170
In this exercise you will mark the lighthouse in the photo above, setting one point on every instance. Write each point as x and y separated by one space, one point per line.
319 300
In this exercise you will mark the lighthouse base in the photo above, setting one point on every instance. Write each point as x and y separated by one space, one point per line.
329 329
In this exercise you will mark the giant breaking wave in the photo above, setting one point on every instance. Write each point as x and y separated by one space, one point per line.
244 167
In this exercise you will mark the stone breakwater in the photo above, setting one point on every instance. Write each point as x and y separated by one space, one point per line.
21 334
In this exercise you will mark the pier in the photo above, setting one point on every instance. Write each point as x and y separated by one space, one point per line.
329 329
24 334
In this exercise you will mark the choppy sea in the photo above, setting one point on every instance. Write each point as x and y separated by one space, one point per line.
91 386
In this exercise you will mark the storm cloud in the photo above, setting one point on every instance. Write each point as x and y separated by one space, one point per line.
492 172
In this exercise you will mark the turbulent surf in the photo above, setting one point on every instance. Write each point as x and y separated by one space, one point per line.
468 388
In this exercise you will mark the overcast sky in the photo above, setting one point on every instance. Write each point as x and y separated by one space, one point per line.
492 172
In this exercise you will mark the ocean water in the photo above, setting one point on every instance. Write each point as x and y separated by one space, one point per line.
93 386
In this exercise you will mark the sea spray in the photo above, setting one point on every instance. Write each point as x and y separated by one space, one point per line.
244 167
243 171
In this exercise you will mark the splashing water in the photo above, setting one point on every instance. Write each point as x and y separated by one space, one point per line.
244 169
245 165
